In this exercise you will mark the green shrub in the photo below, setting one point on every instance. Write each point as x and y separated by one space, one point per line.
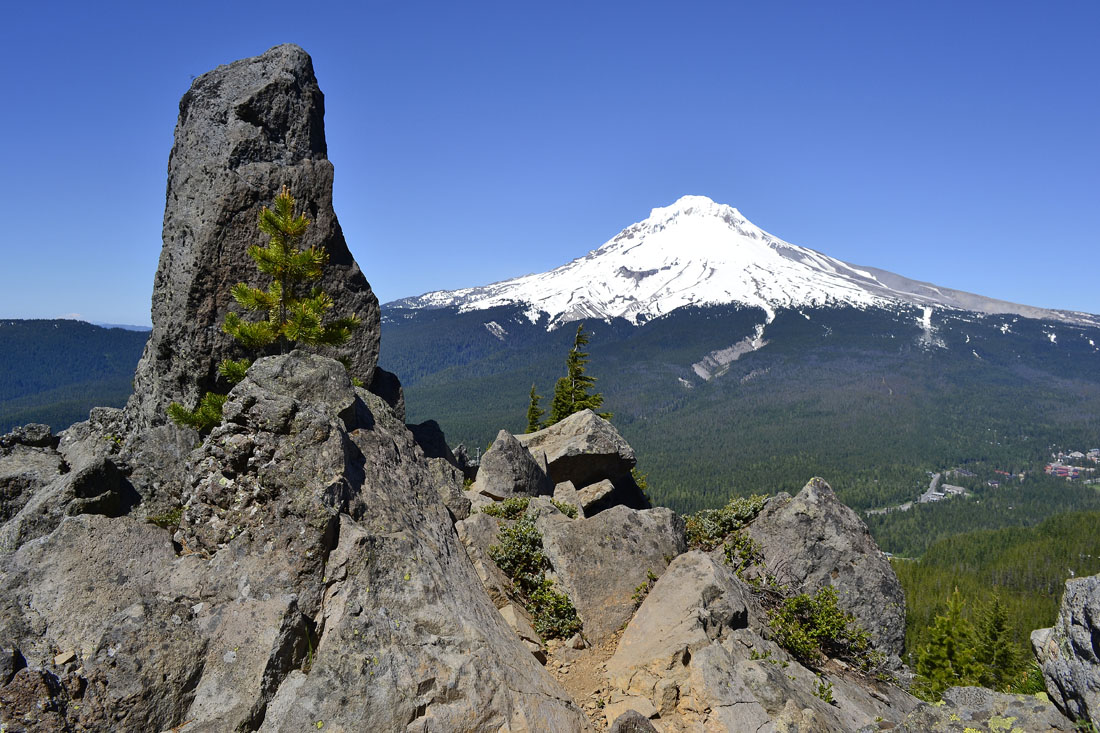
1029 682
554 614
512 508
707 528
170 520
519 555
742 552
643 590
824 691
814 627
567 509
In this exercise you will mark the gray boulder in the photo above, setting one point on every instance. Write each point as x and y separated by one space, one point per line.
814 540
508 469
602 560
693 653
585 449
1069 652
631 722
34 435
244 131
968 709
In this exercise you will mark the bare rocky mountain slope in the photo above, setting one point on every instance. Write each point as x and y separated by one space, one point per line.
314 563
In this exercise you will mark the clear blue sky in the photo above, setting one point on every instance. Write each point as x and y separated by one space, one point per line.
955 142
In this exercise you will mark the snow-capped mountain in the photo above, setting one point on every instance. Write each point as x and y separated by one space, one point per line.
698 252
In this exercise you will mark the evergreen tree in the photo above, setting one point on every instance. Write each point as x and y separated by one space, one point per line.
571 391
995 650
948 659
290 319
534 413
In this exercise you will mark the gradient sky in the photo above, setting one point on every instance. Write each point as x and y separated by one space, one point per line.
954 142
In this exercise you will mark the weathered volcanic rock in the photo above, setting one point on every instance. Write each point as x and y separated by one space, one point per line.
582 448
968 709
814 540
508 469
1069 652
244 131
315 575
692 652
601 561
585 449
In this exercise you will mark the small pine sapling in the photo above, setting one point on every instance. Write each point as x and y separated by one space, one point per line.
290 319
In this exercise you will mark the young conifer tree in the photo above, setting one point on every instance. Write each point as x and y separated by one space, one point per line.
290 319
994 646
949 657
534 413
571 391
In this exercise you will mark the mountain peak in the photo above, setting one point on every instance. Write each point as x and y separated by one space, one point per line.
696 251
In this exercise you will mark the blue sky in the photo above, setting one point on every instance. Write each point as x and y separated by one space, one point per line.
954 142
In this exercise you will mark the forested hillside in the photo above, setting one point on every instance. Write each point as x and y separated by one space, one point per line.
55 371
1025 567
866 399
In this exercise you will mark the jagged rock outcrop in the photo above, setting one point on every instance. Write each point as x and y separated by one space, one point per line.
313 556
1069 652
45 478
585 449
692 654
244 131
508 469
813 540
313 563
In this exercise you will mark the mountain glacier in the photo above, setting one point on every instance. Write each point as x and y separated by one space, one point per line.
699 252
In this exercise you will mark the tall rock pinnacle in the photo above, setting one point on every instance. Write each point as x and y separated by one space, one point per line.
244 131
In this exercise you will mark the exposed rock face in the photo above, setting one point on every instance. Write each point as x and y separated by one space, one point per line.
45 479
1069 652
313 556
508 469
601 561
813 540
244 131
968 709
585 449
692 654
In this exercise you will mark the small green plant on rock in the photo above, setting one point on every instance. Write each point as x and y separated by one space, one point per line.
643 590
511 508
742 552
519 555
707 528
824 690
567 509
170 520
814 627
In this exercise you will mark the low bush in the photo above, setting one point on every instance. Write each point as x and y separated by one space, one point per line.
707 528
519 555
814 627
513 508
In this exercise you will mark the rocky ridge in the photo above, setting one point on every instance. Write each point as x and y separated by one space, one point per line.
316 564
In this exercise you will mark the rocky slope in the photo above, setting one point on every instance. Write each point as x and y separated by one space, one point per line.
316 564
